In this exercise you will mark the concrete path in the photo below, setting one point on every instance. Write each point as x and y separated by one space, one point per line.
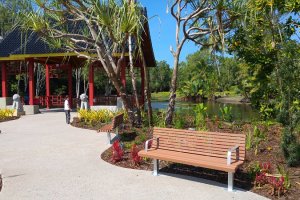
41 157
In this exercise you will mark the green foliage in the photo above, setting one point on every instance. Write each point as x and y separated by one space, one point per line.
290 146
249 141
200 116
253 169
266 111
226 113
160 77
141 138
258 137
159 118
285 174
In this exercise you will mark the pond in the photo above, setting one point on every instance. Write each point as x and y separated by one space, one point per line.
240 112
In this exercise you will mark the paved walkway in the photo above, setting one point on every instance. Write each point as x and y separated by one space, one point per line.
41 157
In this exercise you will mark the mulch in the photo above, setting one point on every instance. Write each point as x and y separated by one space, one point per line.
9 119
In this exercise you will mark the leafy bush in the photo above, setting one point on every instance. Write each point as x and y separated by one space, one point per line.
94 116
258 137
226 113
117 153
6 113
290 147
201 113
159 118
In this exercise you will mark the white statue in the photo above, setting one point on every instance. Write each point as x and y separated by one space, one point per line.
84 101
17 103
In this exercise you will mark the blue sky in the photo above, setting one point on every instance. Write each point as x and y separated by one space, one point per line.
162 30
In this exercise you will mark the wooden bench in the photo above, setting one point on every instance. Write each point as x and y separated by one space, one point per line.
213 150
114 126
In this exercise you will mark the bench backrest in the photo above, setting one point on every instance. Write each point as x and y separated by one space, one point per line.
212 144
117 120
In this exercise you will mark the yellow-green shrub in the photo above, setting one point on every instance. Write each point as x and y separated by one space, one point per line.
95 116
6 113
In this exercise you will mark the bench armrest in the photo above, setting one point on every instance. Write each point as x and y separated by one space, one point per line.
229 152
147 143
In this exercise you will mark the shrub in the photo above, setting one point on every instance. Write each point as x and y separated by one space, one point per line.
94 116
201 113
134 155
117 153
277 185
6 113
226 113
290 147
261 179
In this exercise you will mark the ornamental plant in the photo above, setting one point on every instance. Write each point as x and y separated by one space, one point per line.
117 152
265 167
136 159
6 113
277 185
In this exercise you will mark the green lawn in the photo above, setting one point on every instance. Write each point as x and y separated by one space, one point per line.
163 96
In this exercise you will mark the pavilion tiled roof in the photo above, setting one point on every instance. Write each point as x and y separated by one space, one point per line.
18 42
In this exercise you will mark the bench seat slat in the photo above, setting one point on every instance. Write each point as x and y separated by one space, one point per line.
185 132
175 138
224 146
201 150
192 159
203 136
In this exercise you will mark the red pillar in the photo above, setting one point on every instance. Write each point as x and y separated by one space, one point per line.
91 85
4 80
70 85
123 74
47 86
31 81
143 85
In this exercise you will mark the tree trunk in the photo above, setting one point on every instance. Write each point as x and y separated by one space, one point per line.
147 91
172 98
133 80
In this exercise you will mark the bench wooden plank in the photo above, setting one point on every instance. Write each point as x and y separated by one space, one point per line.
192 159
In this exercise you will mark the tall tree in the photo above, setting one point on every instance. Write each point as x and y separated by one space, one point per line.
204 22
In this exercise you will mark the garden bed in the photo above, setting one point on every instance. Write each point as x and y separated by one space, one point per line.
9 119
268 151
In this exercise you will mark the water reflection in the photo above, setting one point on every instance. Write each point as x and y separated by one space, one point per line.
240 112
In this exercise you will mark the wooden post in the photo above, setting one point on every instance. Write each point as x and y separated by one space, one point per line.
31 81
70 85
91 85
4 80
47 86
143 85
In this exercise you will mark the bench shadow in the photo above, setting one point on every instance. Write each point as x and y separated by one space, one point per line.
242 181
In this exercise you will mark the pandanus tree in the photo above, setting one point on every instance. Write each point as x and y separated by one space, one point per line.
203 22
95 30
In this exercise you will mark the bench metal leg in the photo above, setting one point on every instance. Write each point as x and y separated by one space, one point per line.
230 181
155 167
108 138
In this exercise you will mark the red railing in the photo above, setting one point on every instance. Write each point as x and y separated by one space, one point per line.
58 100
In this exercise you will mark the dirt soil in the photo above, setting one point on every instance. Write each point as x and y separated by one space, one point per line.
268 151
9 119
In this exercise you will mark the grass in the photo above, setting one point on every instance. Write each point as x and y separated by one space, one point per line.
163 96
